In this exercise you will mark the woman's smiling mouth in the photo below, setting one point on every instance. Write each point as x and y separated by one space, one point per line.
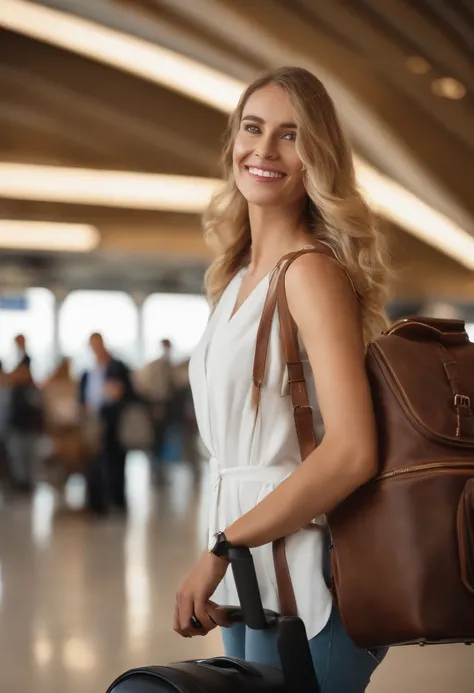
264 175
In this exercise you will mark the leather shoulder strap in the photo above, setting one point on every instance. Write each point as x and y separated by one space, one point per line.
289 335
264 330
302 411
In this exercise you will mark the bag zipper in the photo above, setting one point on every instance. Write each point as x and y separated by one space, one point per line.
454 465
406 406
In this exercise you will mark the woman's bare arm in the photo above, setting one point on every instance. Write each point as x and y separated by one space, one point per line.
325 309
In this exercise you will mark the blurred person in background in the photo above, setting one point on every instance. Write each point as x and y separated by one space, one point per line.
63 423
183 416
61 406
4 415
155 383
25 421
290 184
103 393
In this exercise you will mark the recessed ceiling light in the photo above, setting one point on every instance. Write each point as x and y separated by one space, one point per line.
392 201
192 195
47 236
418 65
448 88
217 90
129 53
153 191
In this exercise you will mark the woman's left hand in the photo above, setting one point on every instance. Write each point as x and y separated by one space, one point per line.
193 597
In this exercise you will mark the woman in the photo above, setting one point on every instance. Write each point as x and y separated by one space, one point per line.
63 421
290 183
60 393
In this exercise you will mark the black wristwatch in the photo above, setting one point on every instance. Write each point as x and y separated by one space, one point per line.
218 545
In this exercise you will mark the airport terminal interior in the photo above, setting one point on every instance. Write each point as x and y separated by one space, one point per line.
112 115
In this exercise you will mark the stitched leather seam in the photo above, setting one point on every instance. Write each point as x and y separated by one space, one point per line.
402 398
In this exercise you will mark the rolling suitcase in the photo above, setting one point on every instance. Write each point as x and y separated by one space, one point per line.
228 675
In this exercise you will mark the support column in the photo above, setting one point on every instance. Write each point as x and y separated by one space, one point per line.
60 294
139 298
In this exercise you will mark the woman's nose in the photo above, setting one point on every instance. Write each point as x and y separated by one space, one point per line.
266 148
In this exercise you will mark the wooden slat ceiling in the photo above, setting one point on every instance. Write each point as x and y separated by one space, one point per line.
59 108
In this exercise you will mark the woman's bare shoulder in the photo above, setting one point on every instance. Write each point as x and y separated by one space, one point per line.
316 275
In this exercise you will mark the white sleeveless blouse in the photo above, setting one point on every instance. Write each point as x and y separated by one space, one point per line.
250 454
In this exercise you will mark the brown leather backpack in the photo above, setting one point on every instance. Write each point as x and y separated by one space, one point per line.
402 545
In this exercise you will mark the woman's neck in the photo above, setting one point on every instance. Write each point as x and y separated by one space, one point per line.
275 232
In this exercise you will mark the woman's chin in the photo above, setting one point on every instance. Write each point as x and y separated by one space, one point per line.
264 198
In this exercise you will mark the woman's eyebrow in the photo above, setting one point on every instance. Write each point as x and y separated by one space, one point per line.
257 119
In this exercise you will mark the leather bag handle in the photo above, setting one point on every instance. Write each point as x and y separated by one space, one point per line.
448 332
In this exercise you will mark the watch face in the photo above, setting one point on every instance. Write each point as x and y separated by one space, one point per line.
218 544
212 543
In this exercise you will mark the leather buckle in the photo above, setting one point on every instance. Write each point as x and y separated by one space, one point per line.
462 405
462 401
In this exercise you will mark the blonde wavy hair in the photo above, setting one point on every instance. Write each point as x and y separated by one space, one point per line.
335 210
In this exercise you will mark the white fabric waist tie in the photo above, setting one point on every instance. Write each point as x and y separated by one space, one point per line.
273 474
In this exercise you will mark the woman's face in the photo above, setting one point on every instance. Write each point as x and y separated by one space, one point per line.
267 169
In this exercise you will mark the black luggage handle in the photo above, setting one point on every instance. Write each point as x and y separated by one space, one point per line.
293 647
253 614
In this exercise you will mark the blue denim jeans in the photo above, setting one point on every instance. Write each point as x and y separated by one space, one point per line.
341 666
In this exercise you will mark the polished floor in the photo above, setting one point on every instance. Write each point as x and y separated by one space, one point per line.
82 600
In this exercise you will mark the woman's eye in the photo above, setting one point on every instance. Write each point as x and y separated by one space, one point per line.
253 129
291 136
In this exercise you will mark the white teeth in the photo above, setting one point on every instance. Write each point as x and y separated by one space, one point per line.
264 174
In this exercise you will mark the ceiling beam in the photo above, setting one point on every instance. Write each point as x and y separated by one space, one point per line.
52 84
372 34
409 20
280 37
